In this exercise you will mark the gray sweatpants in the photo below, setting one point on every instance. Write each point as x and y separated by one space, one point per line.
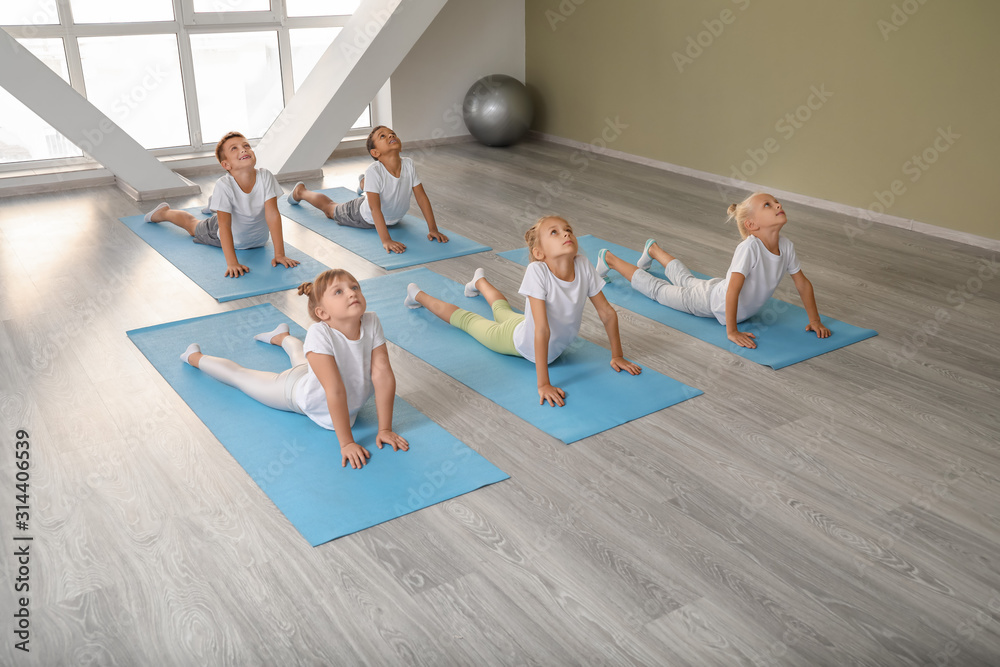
684 292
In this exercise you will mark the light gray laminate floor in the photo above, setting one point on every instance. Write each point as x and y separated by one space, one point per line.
844 510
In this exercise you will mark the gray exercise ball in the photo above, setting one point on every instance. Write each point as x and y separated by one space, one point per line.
497 110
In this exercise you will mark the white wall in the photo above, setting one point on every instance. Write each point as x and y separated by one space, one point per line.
468 39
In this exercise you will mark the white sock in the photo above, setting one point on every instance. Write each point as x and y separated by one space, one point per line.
602 265
266 337
149 216
470 288
411 296
191 349
291 198
645 261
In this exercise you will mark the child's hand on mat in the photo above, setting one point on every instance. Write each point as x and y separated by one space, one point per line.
286 262
623 364
821 331
554 395
354 453
387 437
236 270
393 246
437 236
743 339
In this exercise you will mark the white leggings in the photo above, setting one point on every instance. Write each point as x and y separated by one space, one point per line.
684 292
275 390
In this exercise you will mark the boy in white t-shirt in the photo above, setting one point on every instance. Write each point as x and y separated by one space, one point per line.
245 202
758 265
343 362
386 185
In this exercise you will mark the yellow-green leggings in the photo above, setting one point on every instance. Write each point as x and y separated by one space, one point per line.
496 334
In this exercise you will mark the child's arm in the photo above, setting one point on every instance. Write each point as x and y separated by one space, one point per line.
325 368
233 267
425 207
384 382
609 317
741 338
375 203
546 392
274 226
805 289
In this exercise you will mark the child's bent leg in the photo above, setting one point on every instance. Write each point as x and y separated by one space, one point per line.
442 309
620 265
262 386
657 289
182 219
293 347
680 275
693 297
491 293
317 199
496 336
659 254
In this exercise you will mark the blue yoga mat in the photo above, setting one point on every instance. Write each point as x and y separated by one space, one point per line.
597 398
294 461
779 326
206 265
410 231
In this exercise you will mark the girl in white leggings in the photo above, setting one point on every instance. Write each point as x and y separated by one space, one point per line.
342 362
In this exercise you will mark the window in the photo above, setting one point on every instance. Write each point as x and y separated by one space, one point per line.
23 135
238 81
141 93
121 11
175 74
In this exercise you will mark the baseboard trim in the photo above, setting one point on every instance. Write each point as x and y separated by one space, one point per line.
864 217
29 184
188 188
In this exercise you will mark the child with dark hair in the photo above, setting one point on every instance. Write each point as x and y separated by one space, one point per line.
386 187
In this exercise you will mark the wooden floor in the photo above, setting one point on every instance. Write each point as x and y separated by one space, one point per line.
844 510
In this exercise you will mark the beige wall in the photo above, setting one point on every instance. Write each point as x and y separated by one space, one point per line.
880 95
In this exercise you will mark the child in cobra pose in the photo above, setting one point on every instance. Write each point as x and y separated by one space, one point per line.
557 284
341 364
386 186
758 265
245 205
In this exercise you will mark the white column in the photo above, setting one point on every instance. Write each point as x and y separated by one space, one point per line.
355 66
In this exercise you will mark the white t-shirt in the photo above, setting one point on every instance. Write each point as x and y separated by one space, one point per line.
564 302
763 272
394 193
247 209
354 361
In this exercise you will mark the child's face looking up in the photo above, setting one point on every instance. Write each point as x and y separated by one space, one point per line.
237 153
385 141
555 238
342 301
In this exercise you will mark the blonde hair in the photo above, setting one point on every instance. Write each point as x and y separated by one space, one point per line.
531 236
227 137
740 213
318 287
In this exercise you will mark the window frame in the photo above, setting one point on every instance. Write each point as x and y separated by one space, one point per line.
186 23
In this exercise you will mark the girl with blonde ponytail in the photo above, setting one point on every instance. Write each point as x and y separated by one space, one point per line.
342 362
758 265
